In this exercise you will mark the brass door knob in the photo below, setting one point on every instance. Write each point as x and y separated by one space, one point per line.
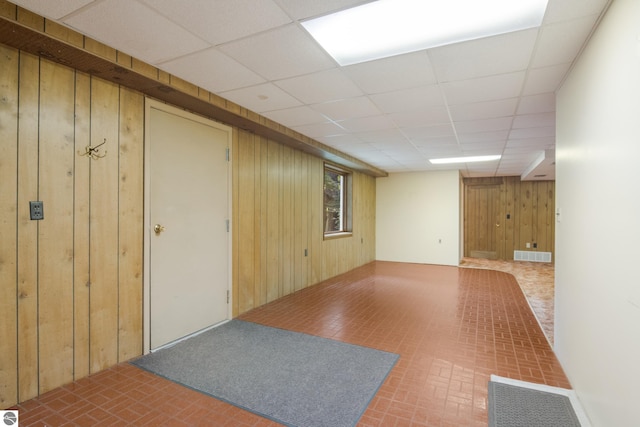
158 228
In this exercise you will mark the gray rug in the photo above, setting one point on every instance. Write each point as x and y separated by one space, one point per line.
289 377
513 406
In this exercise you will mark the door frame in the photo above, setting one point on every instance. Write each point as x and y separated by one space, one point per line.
153 104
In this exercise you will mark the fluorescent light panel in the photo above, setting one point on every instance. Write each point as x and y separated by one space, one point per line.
386 28
469 159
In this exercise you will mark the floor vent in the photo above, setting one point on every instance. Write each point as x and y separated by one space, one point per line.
532 256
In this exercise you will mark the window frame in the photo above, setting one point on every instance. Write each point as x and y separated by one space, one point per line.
346 227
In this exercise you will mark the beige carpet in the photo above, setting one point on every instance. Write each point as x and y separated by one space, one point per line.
536 279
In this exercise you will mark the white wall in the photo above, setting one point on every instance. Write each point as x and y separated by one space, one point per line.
418 217
597 308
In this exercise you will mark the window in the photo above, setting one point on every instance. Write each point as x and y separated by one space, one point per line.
337 201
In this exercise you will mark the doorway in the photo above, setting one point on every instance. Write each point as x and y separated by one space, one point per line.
187 211
482 232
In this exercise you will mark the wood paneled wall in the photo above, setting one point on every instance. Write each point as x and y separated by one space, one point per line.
71 289
71 284
530 205
278 245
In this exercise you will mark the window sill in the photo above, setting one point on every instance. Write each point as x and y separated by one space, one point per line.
340 235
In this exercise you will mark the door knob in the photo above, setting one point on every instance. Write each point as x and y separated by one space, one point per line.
158 228
497 225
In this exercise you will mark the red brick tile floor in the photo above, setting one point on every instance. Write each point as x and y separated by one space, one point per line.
452 327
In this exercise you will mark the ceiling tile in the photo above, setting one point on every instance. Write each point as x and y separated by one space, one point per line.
367 124
262 98
481 137
220 21
280 53
546 79
438 143
422 117
320 87
488 56
409 99
483 110
534 120
485 125
384 136
562 41
536 132
348 108
426 132
302 9
543 103
212 70
563 10
136 30
395 73
529 144
484 89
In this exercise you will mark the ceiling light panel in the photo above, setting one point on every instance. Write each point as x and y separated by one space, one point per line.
391 27
469 159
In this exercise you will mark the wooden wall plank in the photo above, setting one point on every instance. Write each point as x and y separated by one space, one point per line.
274 152
286 226
130 216
258 260
55 243
8 213
245 228
27 229
299 281
316 226
305 221
82 179
262 151
103 326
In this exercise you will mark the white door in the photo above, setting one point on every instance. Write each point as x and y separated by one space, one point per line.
188 203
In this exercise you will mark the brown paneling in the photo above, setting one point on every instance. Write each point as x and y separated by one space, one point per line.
530 205
88 248
278 195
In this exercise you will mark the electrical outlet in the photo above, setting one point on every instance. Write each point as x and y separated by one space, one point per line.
36 210
535 245
528 245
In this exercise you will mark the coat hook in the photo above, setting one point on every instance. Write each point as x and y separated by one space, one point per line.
92 152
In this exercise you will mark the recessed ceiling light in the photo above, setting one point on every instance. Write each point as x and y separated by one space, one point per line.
391 27
468 159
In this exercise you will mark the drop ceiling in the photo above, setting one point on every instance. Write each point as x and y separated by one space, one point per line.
489 96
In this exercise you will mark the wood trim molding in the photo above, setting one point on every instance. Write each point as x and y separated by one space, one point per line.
36 36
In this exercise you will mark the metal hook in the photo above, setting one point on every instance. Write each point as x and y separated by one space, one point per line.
92 152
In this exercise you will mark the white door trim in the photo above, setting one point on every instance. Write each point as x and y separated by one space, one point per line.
149 104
